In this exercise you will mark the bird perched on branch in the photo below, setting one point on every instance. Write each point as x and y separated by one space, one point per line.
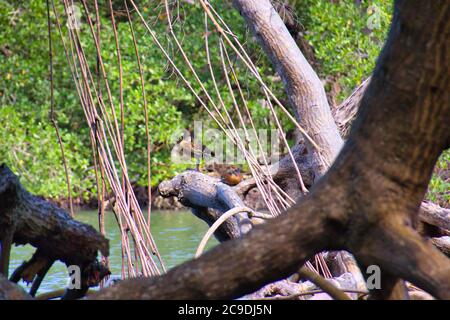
232 176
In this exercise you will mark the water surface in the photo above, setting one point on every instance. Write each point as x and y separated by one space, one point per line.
177 235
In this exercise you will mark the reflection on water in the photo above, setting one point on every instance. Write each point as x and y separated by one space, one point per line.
177 235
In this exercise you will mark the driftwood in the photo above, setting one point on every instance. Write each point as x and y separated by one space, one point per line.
209 198
306 289
26 219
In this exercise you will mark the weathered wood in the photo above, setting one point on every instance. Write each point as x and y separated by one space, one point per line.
420 295
45 226
345 113
351 267
51 230
443 244
328 286
202 192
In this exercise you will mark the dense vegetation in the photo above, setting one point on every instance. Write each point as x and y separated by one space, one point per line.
346 36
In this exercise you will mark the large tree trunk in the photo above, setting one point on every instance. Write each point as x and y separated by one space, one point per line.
304 89
376 183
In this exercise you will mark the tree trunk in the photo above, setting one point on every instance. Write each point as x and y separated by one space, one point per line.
376 183
303 87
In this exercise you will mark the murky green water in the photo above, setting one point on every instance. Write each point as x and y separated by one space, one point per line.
177 235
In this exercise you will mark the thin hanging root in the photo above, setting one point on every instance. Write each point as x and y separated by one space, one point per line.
240 144
249 64
52 112
257 171
104 129
147 126
121 103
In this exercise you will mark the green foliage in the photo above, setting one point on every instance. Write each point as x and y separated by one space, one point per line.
29 143
439 187
346 38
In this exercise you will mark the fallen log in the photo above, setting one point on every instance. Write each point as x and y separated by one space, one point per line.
288 289
26 219
209 198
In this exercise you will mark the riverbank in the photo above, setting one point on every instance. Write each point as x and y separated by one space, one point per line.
157 203
438 194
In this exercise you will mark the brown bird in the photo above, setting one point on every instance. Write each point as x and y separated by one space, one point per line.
232 176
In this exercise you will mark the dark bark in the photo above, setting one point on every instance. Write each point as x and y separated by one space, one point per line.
377 183
26 219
